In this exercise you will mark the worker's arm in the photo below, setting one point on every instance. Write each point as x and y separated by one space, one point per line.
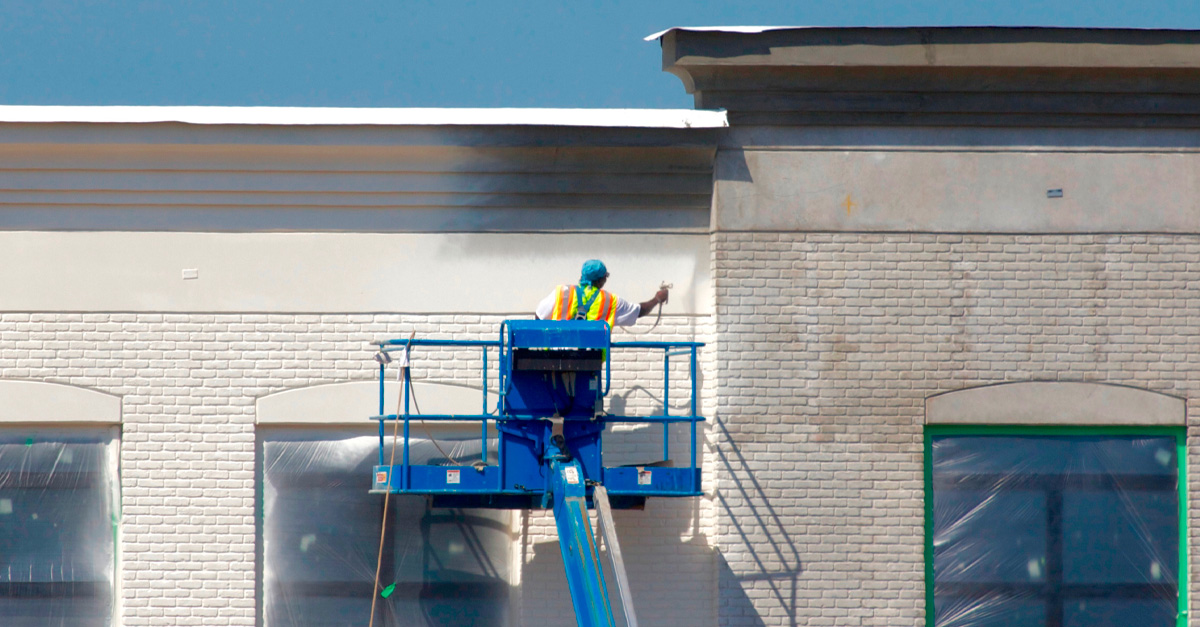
659 297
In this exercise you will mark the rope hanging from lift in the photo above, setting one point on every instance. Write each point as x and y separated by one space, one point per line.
388 493
392 462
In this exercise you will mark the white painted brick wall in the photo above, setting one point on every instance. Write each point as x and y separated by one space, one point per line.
828 345
188 384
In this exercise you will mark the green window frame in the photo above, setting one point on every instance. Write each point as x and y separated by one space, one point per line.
1178 434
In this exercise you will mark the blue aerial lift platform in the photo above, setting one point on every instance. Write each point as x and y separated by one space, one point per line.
549 421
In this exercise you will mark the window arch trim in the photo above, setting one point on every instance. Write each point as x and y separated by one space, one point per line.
1055 403
39 402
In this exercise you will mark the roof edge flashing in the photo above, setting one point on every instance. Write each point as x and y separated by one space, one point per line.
755 30
348 116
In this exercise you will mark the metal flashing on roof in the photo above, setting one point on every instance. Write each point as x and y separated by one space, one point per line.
720 29
347 116
752 30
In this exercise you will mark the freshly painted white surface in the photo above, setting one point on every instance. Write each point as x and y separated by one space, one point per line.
355 402
340 116
39 402
1056 403
337 272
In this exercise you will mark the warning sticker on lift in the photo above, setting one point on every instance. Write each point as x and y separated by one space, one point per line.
381 477
572 475
452 476
643 477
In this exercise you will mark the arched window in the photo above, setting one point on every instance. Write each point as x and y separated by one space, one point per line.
320 525
1054 503
59 496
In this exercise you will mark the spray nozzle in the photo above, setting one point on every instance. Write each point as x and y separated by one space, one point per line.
665 286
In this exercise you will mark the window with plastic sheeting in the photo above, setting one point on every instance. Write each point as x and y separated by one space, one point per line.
57 525
1055 527
321 536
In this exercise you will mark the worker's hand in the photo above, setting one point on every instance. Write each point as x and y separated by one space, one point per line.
661 295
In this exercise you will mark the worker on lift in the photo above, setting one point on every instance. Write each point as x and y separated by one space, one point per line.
588 301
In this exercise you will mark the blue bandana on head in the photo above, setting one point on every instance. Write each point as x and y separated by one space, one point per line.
593 270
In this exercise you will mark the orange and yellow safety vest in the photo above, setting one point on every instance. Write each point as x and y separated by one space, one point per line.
569 299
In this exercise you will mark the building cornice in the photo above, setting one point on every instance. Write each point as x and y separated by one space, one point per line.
977 76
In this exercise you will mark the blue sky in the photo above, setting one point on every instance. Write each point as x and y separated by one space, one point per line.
422 53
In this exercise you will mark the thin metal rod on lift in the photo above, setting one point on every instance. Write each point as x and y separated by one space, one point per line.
608 529
483 426
501 373
431 342
637 344
400 344
382 378
607 369
404 480
696 487
668 419
666 403
474 417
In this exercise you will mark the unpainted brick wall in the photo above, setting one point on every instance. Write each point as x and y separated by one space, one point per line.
828 345
188 384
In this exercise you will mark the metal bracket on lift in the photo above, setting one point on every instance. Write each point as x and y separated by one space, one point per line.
556 431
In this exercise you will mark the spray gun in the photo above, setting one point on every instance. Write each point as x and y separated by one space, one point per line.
658 316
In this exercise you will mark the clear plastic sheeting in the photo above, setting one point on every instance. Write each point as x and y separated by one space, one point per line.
56 528
1060 531
448 568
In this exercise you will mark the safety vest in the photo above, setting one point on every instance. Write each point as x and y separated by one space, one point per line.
570 299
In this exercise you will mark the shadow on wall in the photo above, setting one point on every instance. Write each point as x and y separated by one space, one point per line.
736 606
768 564
626 400
619 402
670 568
732 166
